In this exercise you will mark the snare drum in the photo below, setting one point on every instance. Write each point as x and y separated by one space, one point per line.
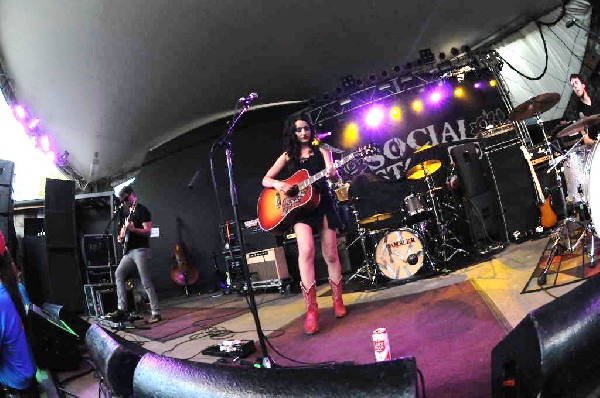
399 254
416 204
591 190
575 170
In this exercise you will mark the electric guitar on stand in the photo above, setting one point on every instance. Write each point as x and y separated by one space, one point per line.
276 210
548 218
183 272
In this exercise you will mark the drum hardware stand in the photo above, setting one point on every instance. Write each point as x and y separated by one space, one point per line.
367 270
442 227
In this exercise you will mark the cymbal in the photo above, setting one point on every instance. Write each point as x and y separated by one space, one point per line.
423 147
578 126
422 169
534 106
375 218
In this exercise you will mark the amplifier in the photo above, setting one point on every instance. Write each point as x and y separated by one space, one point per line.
101 298
498 135
268 264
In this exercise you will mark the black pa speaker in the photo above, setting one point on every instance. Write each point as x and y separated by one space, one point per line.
159 376
114 359
553 351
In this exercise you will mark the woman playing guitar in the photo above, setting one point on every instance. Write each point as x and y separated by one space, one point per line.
301 153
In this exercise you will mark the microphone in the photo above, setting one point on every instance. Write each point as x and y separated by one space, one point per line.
194 180
249 98
571 23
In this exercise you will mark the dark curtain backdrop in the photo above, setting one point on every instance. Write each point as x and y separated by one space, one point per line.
162 185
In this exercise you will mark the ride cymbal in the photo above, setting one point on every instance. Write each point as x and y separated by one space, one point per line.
579 126
534 106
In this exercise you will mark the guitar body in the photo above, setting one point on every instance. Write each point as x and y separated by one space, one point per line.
276 211
548 217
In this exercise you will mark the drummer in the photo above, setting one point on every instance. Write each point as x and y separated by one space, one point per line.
585 107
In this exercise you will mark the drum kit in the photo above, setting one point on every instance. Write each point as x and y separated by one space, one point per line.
421 236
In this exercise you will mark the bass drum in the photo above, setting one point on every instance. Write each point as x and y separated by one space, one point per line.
591 190
399 254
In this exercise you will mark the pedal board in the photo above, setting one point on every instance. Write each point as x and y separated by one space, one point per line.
242 350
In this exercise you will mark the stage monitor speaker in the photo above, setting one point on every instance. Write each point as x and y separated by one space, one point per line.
7 169
52 275
553 351
321 272
154 376
516 190
54 344
59 213
115 359
470 168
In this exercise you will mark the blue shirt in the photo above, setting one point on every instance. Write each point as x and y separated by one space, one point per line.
16 362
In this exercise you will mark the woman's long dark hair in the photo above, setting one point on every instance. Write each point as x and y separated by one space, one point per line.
291 145
11 284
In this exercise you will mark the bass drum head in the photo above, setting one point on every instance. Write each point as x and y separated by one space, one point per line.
399 254
592 191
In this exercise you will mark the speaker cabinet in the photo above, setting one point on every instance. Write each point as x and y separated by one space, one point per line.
553 351
52 275
59 214
517 196
115 359
154 376
268 264
321 272
7 169
471 169
484 218
54 344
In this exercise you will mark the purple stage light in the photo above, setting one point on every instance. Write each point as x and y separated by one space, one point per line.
435 97
20 111
45 143
34 123
477 85
374 116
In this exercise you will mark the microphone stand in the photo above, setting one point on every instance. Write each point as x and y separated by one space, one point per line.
224 142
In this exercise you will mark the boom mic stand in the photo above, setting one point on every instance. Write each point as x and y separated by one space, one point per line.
224 142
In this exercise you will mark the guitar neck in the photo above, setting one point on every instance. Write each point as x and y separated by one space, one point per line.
536 181
323 173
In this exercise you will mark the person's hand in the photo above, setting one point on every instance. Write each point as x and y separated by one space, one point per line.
282 187
130 226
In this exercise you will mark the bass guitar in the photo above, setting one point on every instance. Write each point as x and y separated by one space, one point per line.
548 218
124 234
183 272
276 210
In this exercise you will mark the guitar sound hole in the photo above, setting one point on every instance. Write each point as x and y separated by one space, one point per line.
294 191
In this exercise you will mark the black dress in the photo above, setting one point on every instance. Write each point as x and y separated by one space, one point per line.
314 164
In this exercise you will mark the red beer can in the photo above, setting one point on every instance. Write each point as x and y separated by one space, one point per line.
381 344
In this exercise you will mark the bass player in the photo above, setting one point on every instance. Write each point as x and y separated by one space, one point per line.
301 153
135 236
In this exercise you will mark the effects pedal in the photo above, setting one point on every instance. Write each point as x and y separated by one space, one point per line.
231 349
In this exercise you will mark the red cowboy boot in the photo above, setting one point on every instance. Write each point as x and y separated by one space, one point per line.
311 322
336 296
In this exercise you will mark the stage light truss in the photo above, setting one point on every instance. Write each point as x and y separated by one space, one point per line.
457 69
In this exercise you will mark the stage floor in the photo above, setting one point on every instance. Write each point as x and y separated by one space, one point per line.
500 280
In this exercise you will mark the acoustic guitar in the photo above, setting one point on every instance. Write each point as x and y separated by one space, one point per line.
548 218
183 272
277 211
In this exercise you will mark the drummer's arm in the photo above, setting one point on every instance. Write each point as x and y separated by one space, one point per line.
587 140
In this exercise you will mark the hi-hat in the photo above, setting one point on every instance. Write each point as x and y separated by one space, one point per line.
375 218
534 106
579 126
423 169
